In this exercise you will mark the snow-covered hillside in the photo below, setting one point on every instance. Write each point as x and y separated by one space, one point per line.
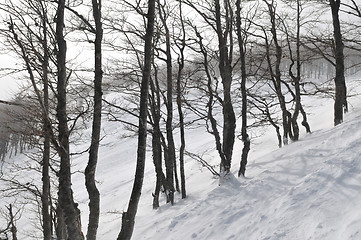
310 189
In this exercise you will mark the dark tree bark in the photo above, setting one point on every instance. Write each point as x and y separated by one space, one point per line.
93 192
156 140
276 75
225 68
157 160
12 225
242 53
340 86
170 161
222 23
210 117
47 222
129 216
60 225
65 193
179 103
45 197
296 78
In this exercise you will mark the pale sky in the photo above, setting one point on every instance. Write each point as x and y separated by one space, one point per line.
8 87
8 83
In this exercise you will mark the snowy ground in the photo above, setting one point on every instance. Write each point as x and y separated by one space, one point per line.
310 189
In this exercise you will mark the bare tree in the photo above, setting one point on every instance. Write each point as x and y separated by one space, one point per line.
242 48
219 18
128 216
225 37
180 60
94 195
170 160
37 62
275 71
340 84
46 195
296 78
11 227
65 194
157 140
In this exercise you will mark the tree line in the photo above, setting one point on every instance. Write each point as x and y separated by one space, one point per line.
175 65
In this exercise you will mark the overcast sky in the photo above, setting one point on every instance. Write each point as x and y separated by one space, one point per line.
8 83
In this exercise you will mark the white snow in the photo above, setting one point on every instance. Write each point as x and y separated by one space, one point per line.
310 189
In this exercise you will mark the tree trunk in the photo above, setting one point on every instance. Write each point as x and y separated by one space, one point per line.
304 121
245 137
210 116
276 74
225 68
296 81
157 160
179 105
45 197
43 102
170 161
93 192
12 225
60 226
47 224
65 193
129 216
340 85
156 141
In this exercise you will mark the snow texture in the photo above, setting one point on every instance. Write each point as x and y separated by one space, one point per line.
310 189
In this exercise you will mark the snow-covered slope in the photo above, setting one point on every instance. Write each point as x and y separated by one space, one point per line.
310 189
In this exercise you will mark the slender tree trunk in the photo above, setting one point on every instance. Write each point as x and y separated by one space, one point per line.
46 157
43 100
245 137
229 118
12 225
93 192
157 160
304 121
129 216
296 81
170 161
210 116
65 193
45 197
47 224
276 74
156 141
179 105
340 85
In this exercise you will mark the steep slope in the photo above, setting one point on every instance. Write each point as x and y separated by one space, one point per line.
310 189
307 190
